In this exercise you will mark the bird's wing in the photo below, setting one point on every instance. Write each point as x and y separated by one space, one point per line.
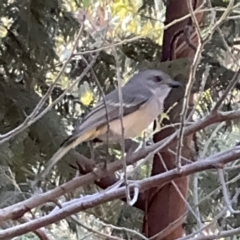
106 111
134 97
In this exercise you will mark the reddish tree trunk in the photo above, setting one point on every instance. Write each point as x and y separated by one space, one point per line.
164 205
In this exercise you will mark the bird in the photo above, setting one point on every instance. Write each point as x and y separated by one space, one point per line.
142 101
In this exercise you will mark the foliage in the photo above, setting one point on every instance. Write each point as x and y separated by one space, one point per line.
36 36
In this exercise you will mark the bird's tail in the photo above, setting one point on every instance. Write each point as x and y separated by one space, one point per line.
71 142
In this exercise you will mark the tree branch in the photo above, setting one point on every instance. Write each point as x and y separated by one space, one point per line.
106 196
19 209
39 232
33 117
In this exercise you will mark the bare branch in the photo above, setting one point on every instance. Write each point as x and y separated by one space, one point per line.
193 70
89 201
226 197
17 210
214 220
39 232
190 83
230 86
32 117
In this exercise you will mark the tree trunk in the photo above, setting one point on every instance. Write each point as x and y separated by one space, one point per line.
166 204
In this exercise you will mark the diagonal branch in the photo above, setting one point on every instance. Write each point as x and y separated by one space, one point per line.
230 86
33 116
116 193
19 209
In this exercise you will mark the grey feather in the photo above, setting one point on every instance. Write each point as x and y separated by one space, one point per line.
133 99
142 87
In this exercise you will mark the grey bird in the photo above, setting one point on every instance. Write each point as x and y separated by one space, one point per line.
142 101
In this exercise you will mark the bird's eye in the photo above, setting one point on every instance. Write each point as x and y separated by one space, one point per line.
158 78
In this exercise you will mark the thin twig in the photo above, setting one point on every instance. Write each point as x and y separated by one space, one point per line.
20 208
193 69
121 113
201 90
109 46
190 83
97 233
180 193
171 226
32 118
214 221
124 229
196 200
230 86
104 101
39 232
144 184
226 193
235 77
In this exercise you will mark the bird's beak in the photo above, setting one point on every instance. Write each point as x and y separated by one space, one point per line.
174 84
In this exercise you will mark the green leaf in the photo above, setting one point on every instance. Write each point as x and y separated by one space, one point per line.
86 3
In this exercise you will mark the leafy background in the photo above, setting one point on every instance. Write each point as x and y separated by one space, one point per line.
37 36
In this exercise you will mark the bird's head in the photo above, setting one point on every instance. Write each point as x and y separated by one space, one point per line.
157 79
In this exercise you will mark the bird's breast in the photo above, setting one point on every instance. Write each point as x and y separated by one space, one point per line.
136 122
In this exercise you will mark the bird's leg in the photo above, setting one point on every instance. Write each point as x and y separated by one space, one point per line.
94 157
90 144
107 145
